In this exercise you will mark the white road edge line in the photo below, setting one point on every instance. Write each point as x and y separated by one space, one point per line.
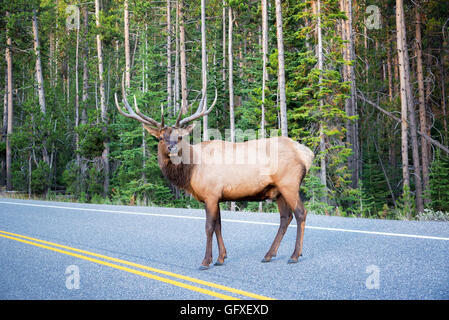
229 220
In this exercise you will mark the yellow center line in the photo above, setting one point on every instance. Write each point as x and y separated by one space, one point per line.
167 273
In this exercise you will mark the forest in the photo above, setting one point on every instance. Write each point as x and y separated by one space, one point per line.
362 83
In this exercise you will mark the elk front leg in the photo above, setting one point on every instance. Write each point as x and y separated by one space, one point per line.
211 220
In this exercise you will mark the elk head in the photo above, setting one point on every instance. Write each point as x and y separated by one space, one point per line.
169 137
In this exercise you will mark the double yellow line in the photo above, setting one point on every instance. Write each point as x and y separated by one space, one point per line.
81 254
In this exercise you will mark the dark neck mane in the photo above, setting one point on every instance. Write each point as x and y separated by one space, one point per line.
178 174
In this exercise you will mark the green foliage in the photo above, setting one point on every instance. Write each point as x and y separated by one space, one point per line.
405 205
92 138
315 193
40 178
439 183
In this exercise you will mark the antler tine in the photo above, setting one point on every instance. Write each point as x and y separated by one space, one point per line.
178 119
144 117
131 114
162 116
200 111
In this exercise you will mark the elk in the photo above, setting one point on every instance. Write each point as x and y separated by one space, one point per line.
277 174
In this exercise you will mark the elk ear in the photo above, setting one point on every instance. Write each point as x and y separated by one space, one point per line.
187 130
153 131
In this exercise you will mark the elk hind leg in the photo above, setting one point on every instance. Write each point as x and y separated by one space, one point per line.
285 219
222 255
293 200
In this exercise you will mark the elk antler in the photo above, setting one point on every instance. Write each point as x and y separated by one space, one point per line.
136 115
201 111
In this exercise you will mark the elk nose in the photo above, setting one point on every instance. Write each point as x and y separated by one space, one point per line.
172 148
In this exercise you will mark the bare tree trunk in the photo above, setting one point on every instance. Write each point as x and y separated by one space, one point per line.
413 126
103 109
401 47
39 77
127 51
390 74
8 57
4 129
422 102
443 94
224 44
176 80
51 57
351 103
231 75
169 80
281 70
264 62
29 175
204 66
231 81
77 107
85 58
323 174
182 40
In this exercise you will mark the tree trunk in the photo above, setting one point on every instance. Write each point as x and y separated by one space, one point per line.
39 77
323 174
104 119
176 80
182 40
224 46
422 103
389 73
443 94
406 102
204 66
169 80
231 81
404 123
8 57
85 58
351 103
4 129
264 62
77 111
281 69
412 122
127 51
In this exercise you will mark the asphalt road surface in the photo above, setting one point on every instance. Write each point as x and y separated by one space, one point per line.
53 250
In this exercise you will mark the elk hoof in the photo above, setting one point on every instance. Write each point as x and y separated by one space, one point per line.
264 260
218 263
203 267
292 260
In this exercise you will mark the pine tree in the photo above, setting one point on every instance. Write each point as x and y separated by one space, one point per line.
439 183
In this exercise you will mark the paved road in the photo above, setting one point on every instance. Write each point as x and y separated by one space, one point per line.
52 250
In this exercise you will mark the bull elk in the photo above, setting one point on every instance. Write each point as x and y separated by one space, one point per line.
277 174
